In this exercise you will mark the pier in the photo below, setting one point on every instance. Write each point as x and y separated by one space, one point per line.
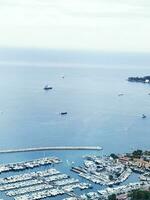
95 148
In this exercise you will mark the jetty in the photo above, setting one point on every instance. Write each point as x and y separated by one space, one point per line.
95 148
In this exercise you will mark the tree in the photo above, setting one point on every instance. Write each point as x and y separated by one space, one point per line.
140 195
137 154
110 177
114 156
112 197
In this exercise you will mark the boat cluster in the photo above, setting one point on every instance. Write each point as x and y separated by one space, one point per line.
103 194
103 170
35 184
18 180
39 185
28 164
145 177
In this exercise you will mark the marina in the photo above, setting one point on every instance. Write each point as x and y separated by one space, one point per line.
29 164
42 178
39 184
104 194
103 170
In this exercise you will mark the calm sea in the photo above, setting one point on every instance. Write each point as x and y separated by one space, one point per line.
29 116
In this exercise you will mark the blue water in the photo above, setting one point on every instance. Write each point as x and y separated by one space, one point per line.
96 115
29 116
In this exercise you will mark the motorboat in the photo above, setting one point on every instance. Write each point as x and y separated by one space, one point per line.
47 87
63 113
143 116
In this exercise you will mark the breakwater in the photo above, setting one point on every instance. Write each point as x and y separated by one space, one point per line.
96 148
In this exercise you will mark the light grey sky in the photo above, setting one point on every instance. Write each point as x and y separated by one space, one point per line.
105 25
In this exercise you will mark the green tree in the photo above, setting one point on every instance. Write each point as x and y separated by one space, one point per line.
110 177
112 197
114 156
140 195
137 154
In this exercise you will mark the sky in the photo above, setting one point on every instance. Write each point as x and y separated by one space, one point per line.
95 25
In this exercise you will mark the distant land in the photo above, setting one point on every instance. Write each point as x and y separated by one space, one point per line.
144 79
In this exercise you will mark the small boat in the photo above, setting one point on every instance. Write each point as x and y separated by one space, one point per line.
47 87
63 113
143 116
121 94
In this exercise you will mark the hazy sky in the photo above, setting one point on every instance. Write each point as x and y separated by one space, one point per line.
105 25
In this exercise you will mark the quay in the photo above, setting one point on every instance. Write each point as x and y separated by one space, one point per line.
95 148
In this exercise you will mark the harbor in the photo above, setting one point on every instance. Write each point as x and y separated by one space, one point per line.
95 178
40 184
121 191
28 165
103 170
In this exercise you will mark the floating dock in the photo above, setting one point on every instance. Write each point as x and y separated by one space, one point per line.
95 148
